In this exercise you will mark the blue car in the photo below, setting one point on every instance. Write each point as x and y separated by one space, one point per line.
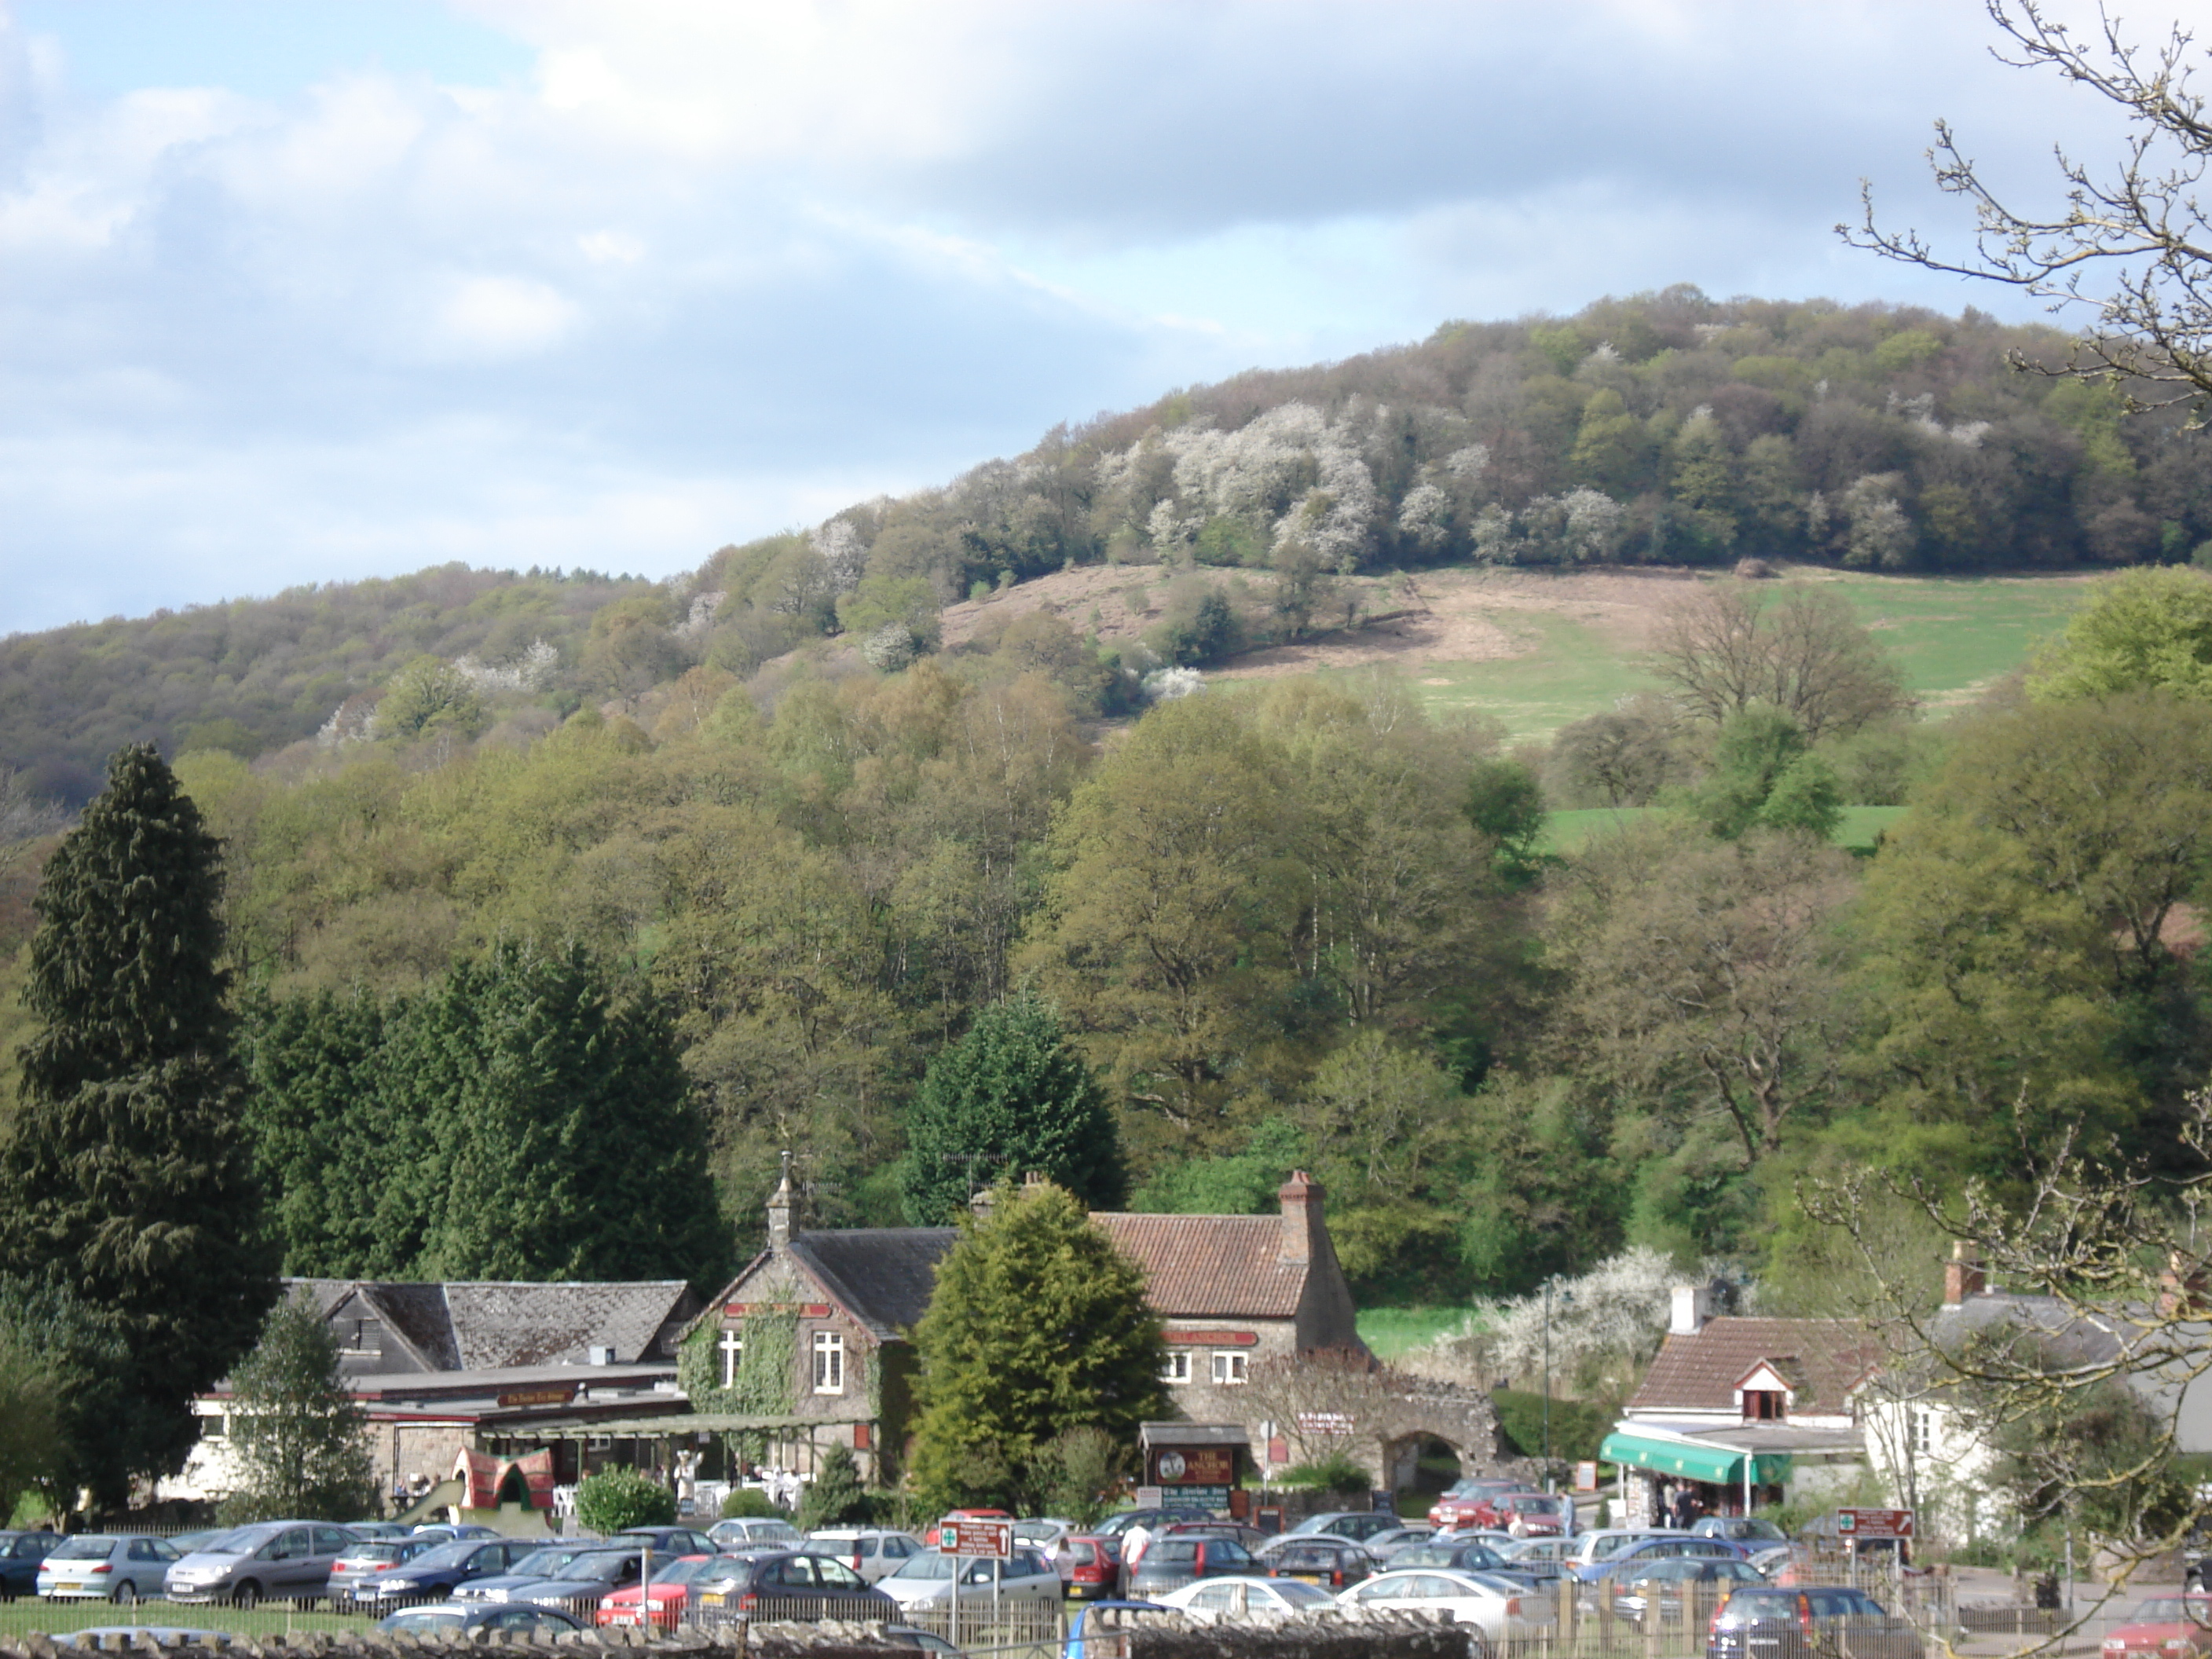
436 1574
20 1555
1662 1549
1079 1632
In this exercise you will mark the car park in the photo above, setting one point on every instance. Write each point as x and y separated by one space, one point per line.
477 1619
1334 1562
1397 1537
20 1555
364 1560
1663 1585
270 1560
1463 1498
1751 1530
661 1603
453 1529
377 1529
582 1581
788 1583
1175 1558
1460 1555
1242 1596
437 1573
1358 1525
1042 1534
874 1553
1117 1526
929 1580
1666 1546
666 1541
546 1561
1090 1568
1250 1537
1503 1610
106 1567
1587 1548
756 1529
2163 1625
1766 1621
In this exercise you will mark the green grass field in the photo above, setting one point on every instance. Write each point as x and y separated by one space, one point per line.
1570 832
1952 636
1392 1331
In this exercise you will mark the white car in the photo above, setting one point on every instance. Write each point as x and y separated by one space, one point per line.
1236 1597
925 1580
873 1552
1503 1609
741 1530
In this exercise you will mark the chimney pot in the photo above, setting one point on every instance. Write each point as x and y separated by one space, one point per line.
779 1211
1693 1306
1962 1273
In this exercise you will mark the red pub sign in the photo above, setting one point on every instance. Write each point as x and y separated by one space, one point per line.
1193 1466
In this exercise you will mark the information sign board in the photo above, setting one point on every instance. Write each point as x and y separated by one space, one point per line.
988 1541
1873 1523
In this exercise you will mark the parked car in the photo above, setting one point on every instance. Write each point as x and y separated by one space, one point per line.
1250 1537
1500 1608
664 1598
1586 1548
1238 1597
2163 1625
1637 1590
1042 1534
546 1561
1082 1632
929 1580
874 1553
437 1573
1524 1515
372 1556
1460 1499
1753 1529
453 1529
377 1529
1090 1567
583 1582
795 1584
185 1542
1765 1622
756 1529
1115 1526
106 1567
1467 1556
1175 1558
667 1541
1358 1525
1398 1538
1336 1562
20 1555
279 1560
1669 1546
475 1619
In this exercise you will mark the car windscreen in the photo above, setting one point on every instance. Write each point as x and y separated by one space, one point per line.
234 1543
92 1546
684 1570
928 1567
455 1554
598 1563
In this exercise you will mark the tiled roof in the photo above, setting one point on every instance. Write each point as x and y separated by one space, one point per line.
1211 1267
493 1326
883 1276
1826 1356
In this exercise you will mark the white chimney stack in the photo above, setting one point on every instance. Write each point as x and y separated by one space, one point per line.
1693 1306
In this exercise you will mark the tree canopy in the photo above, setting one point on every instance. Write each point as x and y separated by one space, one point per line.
297 1438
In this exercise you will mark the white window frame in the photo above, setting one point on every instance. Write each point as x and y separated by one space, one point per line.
1232 1366
1922 1431
1176 1371
829 1362
731 1344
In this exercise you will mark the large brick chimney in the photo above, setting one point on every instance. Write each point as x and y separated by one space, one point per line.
1302 1198
1962 1273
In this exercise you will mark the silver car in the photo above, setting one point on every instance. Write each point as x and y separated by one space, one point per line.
106 1567
282 1560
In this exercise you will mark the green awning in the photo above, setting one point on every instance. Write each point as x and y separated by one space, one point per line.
1718 1465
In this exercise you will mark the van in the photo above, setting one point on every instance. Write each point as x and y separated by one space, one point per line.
279 1560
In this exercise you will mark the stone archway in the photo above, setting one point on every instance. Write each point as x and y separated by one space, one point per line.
1422 1463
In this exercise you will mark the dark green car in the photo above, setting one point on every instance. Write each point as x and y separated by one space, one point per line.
20 1555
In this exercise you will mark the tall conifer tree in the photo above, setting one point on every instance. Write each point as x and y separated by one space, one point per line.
124 1179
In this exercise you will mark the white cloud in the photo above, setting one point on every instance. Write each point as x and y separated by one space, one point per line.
503 317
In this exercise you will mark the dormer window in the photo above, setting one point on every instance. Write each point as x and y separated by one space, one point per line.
1765 1406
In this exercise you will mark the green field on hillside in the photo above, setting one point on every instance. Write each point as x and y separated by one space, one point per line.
1569 832
1952 636
1390 1332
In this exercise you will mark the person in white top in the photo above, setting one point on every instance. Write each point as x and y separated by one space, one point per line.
1133 1544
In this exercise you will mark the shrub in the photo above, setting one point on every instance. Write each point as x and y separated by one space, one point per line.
614 1499
834 1496
1337 1473
748 1503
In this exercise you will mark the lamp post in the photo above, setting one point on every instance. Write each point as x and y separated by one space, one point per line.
1566 1296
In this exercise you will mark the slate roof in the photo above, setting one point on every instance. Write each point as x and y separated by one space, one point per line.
1211 1267
475 1325
883 1276
1827 1357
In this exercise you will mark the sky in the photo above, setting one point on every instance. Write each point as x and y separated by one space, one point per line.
296 291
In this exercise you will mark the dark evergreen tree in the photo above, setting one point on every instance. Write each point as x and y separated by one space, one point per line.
124 1178
324 1142
563 1142
296 1431
1038 1325
1011 1097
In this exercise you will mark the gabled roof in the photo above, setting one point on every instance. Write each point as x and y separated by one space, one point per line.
1827 1357
883 1276
492 1325
1211 1267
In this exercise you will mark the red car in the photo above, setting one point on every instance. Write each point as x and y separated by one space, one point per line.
664 1598
1094 1568
1454 1511
1524 1514
2165 1625
933 1535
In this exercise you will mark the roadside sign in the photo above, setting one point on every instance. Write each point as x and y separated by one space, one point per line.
988 1541
1586 1476
1873 1523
